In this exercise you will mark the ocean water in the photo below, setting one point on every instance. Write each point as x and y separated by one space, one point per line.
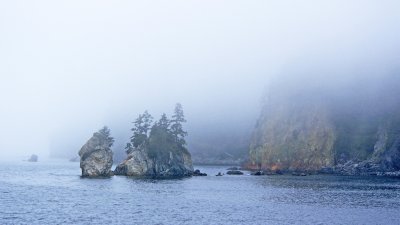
53 192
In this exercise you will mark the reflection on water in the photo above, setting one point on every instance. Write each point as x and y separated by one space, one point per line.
54 193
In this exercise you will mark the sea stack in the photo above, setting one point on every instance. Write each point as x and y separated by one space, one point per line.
96 155
157 150
33 158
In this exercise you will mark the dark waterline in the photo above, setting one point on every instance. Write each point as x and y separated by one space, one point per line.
54 193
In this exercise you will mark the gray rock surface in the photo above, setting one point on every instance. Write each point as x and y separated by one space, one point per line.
96 156
138 163
385 160
33 158
200 174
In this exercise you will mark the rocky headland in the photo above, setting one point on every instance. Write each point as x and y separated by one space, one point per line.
317 129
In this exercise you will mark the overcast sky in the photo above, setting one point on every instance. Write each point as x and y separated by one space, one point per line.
76 65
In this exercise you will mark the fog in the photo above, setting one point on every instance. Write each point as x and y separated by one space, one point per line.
69 67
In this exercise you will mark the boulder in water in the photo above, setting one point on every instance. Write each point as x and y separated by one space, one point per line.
198 173
96 155
258 173
33 158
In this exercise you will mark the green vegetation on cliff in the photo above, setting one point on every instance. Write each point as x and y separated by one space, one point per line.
312 127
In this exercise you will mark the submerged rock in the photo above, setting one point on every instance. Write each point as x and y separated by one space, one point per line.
33 158
96 155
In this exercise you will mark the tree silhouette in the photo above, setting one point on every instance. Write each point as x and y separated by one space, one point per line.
164 122
105 131
178 119
141 128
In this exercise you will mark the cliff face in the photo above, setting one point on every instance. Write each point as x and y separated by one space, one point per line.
293 136
354 132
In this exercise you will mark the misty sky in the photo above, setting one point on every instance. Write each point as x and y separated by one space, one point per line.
72 66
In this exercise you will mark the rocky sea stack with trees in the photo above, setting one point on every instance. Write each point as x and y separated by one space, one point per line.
156 150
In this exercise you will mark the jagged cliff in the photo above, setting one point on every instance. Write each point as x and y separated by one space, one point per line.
352 130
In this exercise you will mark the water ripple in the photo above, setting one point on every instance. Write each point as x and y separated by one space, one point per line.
54 193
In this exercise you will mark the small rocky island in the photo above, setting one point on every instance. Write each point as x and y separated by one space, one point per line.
96 155
156 150
33 158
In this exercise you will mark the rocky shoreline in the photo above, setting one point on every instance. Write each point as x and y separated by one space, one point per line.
363 168
348 169
158 150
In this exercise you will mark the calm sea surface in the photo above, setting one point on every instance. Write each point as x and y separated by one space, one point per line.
53 192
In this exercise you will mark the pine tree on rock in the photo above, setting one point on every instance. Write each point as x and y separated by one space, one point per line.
128 148
141 129
105 131
157 149
178 119
164 122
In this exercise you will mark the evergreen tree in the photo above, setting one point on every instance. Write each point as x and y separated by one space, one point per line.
161 140
105 131
128 148
141 128
147 120
176 125
165 135
164 122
